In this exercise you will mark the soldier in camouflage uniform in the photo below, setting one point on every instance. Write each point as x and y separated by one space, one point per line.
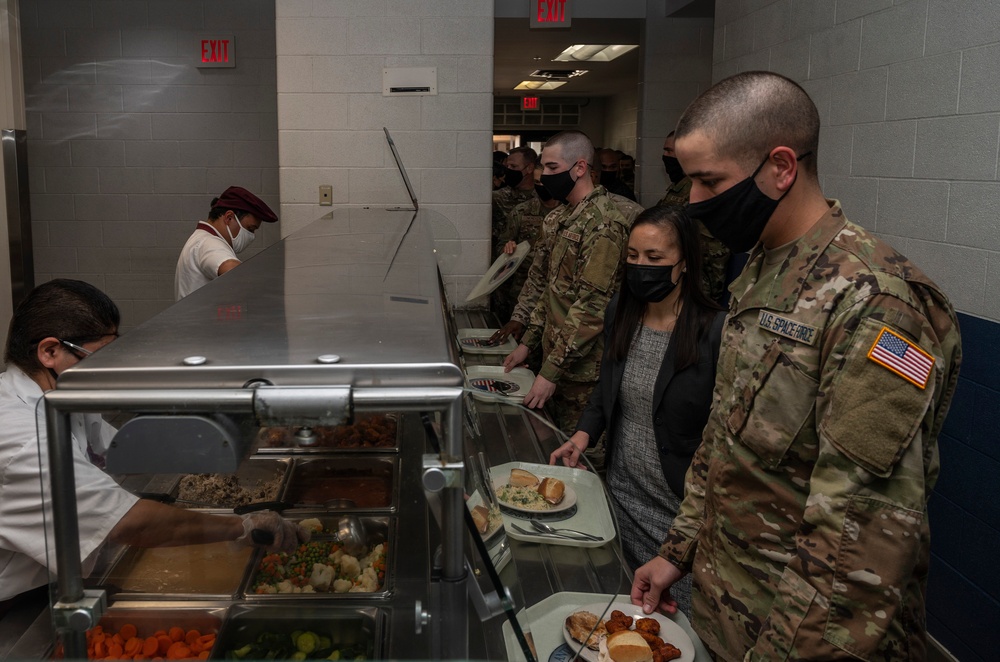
714 254
805 516
584 263
520 187
629 208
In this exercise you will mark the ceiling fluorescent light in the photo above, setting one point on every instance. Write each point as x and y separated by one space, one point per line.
593 52
539 85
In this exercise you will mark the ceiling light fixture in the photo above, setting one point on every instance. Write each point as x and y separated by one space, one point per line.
557 74
539 85
594 52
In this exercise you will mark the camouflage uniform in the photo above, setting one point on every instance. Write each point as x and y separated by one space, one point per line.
504 200
524 224
805 518
537 278
714 254
628 208
584 265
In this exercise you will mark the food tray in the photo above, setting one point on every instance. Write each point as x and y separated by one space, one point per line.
250 473
347 626
281 440
502 386
148 618
547 619
372 483
194 572
379 529
593 514
467 340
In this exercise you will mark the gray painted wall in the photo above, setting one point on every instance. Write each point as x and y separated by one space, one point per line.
129 141
909 96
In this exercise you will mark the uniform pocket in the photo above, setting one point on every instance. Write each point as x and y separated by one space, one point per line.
774 405
865 578
791 604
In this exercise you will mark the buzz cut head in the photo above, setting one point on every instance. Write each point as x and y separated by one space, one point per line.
574 145
749 114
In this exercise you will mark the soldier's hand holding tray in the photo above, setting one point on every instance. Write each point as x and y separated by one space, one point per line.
540 391
511 328
516 358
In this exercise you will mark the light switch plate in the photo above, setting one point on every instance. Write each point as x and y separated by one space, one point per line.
326 196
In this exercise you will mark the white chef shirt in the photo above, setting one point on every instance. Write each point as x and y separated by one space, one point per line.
101 503
200 259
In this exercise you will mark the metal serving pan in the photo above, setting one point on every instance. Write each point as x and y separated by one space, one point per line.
206 617
215 571
379 529
252 472
368 483
362 629
370 433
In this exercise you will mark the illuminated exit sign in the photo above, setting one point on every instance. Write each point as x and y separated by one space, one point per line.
530 103
215 51
549 14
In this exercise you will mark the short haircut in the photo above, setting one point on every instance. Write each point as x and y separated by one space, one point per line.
530 155
218 212
749 114
575 146
671 133
65 309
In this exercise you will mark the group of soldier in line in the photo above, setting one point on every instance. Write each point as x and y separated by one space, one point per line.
804 519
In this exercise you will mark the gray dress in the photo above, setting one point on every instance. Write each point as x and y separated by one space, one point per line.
645 505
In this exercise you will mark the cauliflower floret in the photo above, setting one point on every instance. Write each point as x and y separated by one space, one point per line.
285 586
322 576
349 567
342 585
368 582
372 556
308 589
336 556
267 589
313 524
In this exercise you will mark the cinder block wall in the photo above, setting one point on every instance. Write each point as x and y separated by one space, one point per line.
331 112
909 96
128 141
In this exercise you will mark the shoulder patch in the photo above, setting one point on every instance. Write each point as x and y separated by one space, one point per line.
897 354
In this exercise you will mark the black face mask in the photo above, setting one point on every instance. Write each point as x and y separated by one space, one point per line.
649 283
608 178
560 185
737 216
512 177
673 167
543 193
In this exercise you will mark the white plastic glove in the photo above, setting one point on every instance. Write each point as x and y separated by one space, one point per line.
275 533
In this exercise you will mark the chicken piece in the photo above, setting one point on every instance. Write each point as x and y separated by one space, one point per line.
654 641
650 625
666 653
616 626
585 627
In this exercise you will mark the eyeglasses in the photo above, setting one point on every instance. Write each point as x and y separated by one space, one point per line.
77 348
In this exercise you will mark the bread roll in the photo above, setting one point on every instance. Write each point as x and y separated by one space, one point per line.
628 646
481 516
552 490
522 478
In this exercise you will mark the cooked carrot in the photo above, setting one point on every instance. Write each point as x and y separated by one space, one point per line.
178 650
133 646
191 635
150 646
115 650
207 640
100 650
176 634
164 643
128 631
159 633
203 655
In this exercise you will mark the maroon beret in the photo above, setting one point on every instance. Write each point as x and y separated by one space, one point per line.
240 199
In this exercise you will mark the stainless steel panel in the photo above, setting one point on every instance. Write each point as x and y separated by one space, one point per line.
14 145
336 287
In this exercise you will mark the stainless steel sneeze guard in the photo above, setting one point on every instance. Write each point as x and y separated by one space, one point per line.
256 343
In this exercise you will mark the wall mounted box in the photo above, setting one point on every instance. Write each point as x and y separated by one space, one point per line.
410 81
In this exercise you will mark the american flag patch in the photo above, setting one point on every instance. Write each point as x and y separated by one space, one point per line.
902 357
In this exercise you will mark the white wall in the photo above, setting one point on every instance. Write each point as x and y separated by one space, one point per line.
331 112
11 117
128 141
909 97
677 67
620 122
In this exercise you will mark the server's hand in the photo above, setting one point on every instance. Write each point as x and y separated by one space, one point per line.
270 530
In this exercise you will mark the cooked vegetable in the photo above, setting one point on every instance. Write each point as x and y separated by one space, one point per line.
130 644
300 645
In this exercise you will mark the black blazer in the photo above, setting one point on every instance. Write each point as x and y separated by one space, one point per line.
681 402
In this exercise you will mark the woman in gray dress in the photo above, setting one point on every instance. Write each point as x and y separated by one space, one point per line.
661 346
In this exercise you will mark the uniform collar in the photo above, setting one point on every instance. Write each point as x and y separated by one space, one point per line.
207 227
784 291
572 213
22 385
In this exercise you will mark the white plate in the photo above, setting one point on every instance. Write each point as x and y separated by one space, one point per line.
670 632
491 383
501 269
569 500
476 499
469 340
